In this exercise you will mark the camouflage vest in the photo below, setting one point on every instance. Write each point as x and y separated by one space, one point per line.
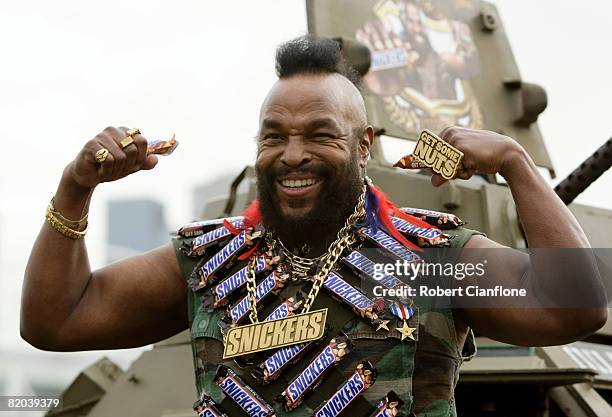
423 372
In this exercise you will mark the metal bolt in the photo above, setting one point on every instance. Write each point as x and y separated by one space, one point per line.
488 21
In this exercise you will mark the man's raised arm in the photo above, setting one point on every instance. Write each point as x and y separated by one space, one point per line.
565 297
65 306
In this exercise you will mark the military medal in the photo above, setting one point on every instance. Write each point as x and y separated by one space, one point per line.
404 313
433 152
406 331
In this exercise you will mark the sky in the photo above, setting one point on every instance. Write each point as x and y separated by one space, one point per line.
201 69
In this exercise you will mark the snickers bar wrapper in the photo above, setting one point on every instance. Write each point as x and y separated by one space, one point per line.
210 408
388 406
309 378
362 379
243 395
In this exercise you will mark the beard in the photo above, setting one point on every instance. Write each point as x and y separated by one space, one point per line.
318 227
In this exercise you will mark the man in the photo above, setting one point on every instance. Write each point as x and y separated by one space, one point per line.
313 145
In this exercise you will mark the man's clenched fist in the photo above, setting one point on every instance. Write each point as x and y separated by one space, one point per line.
483 151
119 163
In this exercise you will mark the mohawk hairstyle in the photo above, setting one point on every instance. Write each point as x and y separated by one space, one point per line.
309 54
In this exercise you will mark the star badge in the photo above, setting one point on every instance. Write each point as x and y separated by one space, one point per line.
383 325
406 331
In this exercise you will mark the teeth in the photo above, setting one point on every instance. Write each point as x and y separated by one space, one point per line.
297 183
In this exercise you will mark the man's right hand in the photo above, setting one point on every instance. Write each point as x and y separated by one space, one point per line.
132 302
86 172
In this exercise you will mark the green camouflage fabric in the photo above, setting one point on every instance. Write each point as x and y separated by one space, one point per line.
423 373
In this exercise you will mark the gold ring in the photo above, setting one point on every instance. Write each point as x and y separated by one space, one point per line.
126 142
101 155
132 132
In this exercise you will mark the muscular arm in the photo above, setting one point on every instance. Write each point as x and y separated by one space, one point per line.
560 270
547 223
65 306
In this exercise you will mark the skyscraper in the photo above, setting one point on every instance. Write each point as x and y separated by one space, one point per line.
134 226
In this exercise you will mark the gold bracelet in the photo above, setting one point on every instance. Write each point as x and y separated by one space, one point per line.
62 228
78 225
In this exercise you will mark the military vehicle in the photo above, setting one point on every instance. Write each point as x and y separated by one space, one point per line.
424 67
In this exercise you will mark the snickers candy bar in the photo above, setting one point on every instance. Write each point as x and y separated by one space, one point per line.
424 236
388 406
210 239
269 285
198 228
436 218
410 162
364 266
243 395
273 366
206 407
207 272
391 245
162 147
353 298
334 352
362 379
287 308
219 294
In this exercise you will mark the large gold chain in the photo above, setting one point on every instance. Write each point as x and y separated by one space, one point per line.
251 289
299 266
346 237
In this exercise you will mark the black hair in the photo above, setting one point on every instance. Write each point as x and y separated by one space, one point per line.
310 54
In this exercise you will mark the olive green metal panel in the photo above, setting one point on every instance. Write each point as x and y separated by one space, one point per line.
160 381
580 400
437 63
596 223
87 389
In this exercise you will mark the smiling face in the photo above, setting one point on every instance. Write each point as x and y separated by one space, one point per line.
312 146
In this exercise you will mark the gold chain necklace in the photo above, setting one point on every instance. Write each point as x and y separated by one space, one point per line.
299 266
346 237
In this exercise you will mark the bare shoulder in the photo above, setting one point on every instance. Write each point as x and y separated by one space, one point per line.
482 242
158 263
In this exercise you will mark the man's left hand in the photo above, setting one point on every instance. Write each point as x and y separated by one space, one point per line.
483 151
